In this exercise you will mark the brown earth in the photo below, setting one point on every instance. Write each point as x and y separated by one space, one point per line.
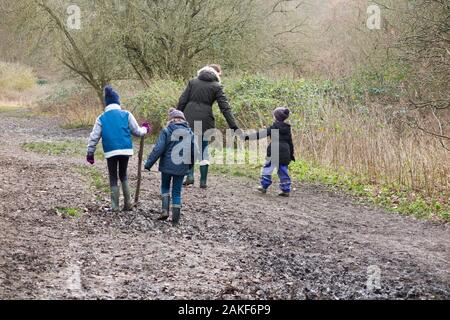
233 243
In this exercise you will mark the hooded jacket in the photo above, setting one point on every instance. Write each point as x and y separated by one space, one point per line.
175 150
198 98
284 146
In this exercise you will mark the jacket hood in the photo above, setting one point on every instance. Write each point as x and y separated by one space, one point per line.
208 74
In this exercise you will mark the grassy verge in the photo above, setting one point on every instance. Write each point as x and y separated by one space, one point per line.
96 178
390 197
393 198
15 110
71 148
9 107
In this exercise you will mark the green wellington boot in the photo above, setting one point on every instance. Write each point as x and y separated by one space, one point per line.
189 178
128 206
204 176
176 215
165 208
115 195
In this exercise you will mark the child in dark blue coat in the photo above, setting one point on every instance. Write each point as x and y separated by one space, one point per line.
175 150
281 143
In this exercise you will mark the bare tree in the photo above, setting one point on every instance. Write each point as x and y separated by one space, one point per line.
86 52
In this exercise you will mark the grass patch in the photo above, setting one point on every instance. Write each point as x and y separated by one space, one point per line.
15 110
97 180
68 148
70 212
10 107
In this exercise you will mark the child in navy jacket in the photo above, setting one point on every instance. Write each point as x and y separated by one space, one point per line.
284 148
175 150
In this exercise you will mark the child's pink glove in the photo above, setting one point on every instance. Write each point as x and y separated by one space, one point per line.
90 158
147 126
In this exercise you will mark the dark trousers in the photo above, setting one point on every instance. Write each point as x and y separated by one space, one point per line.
117 164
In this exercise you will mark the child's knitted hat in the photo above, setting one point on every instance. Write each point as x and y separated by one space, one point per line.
174 114
281 114
111 96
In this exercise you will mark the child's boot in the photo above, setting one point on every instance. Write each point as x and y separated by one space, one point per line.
128 206
204 176
176 214
189 178
165 208
115 194
262 189
284 194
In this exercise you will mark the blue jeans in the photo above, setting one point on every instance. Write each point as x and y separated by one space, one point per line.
283 174
177 185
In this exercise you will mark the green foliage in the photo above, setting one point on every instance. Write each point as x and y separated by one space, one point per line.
252 98
374 82
71 212
42 82
153 104
68 148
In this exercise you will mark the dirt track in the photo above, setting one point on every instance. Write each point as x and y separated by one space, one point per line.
233 243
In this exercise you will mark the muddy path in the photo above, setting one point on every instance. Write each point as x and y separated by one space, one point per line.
233 242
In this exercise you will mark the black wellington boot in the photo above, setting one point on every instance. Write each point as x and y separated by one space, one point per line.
165 208
176 215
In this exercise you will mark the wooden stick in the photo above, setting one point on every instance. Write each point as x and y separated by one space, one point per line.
139 176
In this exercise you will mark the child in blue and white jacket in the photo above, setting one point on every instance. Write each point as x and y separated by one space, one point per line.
115 127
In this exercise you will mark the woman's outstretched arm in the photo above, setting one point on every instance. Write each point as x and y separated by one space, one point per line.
225 108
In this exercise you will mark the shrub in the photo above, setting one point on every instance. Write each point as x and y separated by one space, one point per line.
14 76
153 104
77 106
